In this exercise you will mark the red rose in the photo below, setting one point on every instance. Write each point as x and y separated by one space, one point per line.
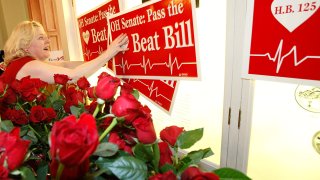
74 140
16 116
10 97
41 98
165 154
91 107
13 149
115 139
91 92
127 106
126 89
145 130
107 87
67 106
103 75
61 79
73 98
129 136
4 173
2 87
128 149
105 123
194 173
29 88
36 82
83 83
41 114
70 172
169 175
170 134
15 85
145 111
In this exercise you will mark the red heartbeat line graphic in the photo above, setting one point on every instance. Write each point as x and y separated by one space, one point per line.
88 52
280 58
151 88
146 63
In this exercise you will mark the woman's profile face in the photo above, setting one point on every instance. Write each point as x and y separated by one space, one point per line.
39 45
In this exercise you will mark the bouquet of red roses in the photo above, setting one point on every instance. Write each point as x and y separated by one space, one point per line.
73 130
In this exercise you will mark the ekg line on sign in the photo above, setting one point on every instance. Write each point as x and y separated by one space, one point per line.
151 89
279 58
146 63
88 53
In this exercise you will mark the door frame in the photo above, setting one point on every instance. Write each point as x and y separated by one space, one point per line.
238 92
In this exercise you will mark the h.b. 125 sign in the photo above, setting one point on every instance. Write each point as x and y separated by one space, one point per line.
284 41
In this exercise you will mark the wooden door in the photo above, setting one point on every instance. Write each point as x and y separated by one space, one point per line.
45 12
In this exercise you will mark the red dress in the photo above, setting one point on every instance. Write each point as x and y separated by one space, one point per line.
9 75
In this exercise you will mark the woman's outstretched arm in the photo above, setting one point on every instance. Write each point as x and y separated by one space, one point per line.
45 71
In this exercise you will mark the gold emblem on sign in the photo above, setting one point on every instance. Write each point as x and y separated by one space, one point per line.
316 142
308 98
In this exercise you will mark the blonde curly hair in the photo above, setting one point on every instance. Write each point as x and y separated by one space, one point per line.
19 40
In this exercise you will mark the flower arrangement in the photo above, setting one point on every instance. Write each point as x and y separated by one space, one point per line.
79 131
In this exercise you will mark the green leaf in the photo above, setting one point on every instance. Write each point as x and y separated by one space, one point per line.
27 174
196 156
101 161
126 167
135 93
183 164
189 138
168 167
58 104
76 111
124 153
54 95
42 171
230 174
97 178
193 158
31 136
156 156
121 119
52 98
6 125
143 152
106 149
24 130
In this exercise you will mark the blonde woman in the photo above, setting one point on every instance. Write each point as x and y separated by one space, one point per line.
28 47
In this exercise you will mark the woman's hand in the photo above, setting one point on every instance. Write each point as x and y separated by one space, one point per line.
119 44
